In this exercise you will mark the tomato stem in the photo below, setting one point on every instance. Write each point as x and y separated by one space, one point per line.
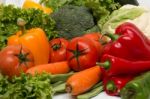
22 57
56 46
77 53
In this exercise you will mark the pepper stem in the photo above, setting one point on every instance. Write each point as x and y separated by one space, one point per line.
21 23
113 37
105 64
111 87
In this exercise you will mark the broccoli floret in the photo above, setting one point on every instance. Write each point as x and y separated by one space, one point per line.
72 21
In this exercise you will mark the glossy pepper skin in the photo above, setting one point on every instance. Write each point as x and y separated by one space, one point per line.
113 85
116 66
36 41
138 88
128 42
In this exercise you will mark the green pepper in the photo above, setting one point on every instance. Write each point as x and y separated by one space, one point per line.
138 88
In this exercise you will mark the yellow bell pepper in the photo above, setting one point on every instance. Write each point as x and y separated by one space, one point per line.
31 4
35 40
47 10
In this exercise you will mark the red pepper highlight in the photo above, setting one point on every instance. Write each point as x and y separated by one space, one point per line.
113 85
116 66
126 27
129 43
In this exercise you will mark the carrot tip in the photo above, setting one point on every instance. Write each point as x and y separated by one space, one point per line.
68 88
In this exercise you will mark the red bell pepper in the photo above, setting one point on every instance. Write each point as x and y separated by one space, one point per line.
113 85
125 28
128 42
116 66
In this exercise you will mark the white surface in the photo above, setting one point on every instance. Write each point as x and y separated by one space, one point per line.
100 96
67 96
144 3
16 2
20 2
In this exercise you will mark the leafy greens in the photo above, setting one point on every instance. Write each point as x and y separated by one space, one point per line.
26 87
121 15
101 9
33 17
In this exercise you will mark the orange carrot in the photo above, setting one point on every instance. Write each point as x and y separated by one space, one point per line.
82 81
52 68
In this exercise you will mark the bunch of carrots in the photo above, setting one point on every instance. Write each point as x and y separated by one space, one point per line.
75 84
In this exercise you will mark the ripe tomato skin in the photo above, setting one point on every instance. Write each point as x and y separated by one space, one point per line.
10 63
58 49
81 54
96 37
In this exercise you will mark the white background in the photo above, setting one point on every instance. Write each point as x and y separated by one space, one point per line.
67 96
20 2
144 2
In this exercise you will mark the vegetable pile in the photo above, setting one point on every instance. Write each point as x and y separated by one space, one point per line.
79 47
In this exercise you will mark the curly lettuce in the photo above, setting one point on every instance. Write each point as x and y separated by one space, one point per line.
26 87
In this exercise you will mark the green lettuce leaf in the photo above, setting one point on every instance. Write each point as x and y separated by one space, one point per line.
33 17
26 87
120 16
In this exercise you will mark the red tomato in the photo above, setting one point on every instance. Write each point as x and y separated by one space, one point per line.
58 49
96 38
15 59
81 54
